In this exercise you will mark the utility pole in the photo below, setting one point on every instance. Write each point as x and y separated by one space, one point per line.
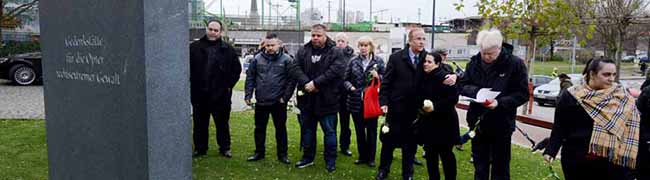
329 7
311 10
222 15
344 16
370 17
262 15
419 15
433 27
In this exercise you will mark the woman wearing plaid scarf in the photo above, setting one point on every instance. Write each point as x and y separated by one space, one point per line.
597 126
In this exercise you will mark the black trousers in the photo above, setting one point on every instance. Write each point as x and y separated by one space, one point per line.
279 113
579 167
643 161
406 143
201 118
366 133
344 120
445 154
491 154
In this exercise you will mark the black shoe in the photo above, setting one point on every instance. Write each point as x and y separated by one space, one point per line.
371 164
417 162
304 163
284 159
226 153
330 168
197 154
346 152
381 175
359 161
256 157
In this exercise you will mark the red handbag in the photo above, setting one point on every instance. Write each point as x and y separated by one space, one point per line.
371 107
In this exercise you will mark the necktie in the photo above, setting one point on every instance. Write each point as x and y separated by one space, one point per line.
417 60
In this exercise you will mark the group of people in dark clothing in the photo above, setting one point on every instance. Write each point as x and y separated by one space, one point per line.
418 94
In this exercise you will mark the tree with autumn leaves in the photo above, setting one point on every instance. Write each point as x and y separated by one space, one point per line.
9 15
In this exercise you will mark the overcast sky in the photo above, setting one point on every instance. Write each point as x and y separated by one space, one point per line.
405 10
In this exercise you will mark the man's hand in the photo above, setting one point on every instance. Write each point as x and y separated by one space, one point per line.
450 79
548 158
491 103
248 102
310 87
384 109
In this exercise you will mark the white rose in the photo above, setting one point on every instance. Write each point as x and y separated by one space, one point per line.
472 134
428 104
300 93
385 129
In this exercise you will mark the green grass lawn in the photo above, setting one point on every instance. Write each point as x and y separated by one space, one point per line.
240 85
23 155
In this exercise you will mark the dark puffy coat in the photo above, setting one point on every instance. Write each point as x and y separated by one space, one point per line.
214 71
509 76
268 76
643 104
327 75
348 54
439 127
356 77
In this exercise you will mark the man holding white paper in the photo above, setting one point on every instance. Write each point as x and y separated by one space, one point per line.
497 81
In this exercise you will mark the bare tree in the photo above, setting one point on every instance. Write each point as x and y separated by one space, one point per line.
613 19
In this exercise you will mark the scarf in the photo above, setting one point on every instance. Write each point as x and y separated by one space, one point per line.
615 134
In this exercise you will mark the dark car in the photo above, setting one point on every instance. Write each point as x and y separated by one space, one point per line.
22 69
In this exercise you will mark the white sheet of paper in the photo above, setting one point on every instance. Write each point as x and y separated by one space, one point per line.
483 95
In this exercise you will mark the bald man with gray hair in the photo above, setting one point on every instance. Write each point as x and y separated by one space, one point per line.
494 67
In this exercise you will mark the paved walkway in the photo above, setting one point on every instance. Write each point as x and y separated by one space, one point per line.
21 102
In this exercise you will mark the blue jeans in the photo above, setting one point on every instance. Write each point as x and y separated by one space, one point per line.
328 124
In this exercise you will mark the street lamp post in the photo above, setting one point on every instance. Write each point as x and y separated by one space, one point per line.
433 27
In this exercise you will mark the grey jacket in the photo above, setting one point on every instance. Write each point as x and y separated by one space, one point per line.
268 76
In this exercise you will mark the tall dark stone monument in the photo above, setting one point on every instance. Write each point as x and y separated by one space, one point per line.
116 86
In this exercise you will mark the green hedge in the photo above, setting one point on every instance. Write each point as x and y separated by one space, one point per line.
19 47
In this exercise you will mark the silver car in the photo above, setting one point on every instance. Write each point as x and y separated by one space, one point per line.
547 93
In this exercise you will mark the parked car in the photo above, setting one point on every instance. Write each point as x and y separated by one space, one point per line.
22 69
628 58
643 58
547 93
539 80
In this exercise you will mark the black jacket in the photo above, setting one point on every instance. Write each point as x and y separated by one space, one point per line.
327 75
507 75
356 77
268 76
348 54
643 104
398 85
439 127
572 128
214 71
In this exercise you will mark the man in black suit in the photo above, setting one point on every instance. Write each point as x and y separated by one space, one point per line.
397 99
214 71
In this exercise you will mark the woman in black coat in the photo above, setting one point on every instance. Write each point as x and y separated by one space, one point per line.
590 120
359 73
643 104
437 124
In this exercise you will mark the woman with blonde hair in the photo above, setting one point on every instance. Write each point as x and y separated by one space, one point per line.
359 73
